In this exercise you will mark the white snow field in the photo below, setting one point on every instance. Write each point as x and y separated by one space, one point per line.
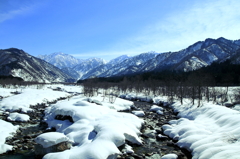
96 131
210 131
29 97
4 92
6 131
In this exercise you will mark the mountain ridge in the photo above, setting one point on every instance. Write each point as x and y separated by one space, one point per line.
198 55
18 63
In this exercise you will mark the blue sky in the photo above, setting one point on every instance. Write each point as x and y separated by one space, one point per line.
110 28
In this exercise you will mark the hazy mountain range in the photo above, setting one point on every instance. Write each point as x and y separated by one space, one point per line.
64 67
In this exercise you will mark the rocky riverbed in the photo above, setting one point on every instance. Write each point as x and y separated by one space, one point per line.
156 144
23 141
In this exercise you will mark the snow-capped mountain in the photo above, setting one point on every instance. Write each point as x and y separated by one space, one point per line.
70 65
129 66
18 63
61 60
104 67
86 65
118 60
198 55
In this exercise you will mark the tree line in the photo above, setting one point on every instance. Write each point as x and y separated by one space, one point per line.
197 85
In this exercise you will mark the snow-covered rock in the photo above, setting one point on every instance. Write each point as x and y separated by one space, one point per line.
51 142
170 156
155 108
127 149
50 139
139 113
18 117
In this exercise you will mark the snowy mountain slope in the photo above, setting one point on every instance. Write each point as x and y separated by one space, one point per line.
61 60
118 60
129 65
199 54
236 57
104 67
70 72
17 63
87 65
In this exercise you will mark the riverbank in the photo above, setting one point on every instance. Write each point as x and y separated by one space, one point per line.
156 144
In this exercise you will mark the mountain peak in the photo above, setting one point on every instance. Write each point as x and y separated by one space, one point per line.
60 60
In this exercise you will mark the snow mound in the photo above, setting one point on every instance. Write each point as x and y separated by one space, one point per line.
170 156
139 113
6 131
96 131
210 131
50 139
18 117
157 109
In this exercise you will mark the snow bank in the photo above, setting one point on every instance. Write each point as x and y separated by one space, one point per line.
18 117
6 131
119 104
210 131
30 97
50 139
97 130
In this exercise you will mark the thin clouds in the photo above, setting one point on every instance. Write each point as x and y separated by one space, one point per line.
209 19
11 9
171 28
